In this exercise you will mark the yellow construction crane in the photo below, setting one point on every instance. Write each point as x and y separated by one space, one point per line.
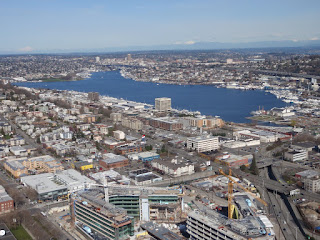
230 196
239 185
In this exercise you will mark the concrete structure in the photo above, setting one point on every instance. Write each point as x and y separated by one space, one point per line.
6 202
294 155
96 216
159 232
50 186
113 161
163 104
203 143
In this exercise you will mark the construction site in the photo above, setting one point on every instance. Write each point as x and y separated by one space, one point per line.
245 216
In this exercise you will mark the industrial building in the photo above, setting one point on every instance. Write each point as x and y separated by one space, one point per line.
53 186
144 177
163 104
203 143
144 156
233 160
99 218
113 161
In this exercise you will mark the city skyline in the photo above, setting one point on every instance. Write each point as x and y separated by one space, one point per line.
44 26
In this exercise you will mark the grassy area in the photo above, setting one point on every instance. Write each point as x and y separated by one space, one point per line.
20 233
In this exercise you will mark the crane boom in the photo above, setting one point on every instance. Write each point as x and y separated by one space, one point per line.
243 188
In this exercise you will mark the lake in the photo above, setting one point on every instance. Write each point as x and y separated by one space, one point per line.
230 104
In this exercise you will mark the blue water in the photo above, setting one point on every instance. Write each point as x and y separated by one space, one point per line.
230 104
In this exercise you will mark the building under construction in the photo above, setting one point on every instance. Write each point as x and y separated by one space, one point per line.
148 203
211 225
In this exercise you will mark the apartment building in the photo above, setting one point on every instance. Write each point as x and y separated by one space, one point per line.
6 202
23 166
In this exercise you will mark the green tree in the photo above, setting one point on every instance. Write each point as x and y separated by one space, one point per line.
253 166
243 168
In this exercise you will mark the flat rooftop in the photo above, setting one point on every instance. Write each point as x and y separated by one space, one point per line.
160 232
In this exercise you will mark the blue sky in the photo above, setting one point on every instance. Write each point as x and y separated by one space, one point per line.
32 25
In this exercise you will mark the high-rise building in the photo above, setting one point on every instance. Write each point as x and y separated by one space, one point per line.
129 57
163 104
97 59
93 96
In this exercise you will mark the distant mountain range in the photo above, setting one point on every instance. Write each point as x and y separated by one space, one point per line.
193 46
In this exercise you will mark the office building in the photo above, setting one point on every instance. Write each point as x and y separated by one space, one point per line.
129 57
312 184
203 143
100 219
163 104
148 203
97 59
294 155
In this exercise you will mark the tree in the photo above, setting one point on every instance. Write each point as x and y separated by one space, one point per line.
243 168
253 166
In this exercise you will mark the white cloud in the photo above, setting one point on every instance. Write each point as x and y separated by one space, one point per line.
189 42
26 49
314 38
295 40
186 43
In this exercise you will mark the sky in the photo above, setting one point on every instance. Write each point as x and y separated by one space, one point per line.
47 25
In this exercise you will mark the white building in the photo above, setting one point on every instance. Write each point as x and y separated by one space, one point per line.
174 167
294 155
163 104
203 143
312 184
119 135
